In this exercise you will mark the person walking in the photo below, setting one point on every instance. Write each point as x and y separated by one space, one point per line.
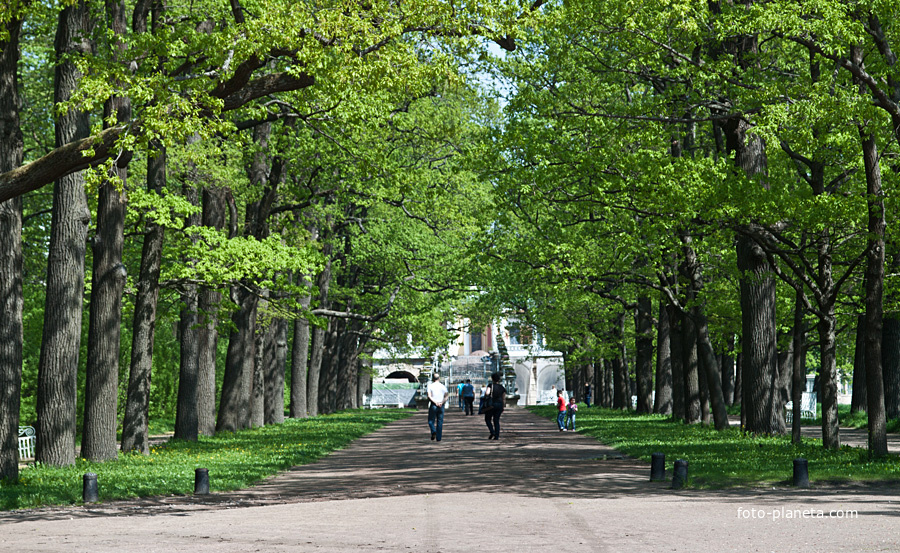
587 395
494 399
571 408
561 408
468 395
437 397
459 395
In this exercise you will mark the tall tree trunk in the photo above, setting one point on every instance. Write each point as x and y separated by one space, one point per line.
662 403
858 401
234 404
644 354
676 345
275 366
98 441
135 426
11 291
708 362
208 302
690 368
299 357
759 361
317 345
798 368
258 386
874 291
621 395
58 365
328 370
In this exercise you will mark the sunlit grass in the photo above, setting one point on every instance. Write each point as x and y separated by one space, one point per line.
728 458
234 461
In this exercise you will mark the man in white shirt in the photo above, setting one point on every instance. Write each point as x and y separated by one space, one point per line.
437 397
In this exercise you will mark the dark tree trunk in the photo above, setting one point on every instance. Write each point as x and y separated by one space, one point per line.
621 395
299 357
759 361
711 370
58 365
258 386
608 391
644 354
690 368
328 371
738 381
798 368
676 343
209 300
317 345
135 431
276 364
11 264
135 425
187 414
858 401
234 405
874 291
662 403
98 441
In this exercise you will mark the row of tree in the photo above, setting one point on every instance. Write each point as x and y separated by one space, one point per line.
286 176
733 163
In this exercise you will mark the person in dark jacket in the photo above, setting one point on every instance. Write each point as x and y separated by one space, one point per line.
468 395
495 397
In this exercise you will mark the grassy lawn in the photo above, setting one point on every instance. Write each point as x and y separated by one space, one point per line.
729 458
234 461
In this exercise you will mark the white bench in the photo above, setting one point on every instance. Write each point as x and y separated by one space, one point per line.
27 440
807 408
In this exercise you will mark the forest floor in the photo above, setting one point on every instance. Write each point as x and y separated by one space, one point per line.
536 489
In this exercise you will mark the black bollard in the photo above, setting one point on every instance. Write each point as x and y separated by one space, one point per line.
89 491
657 467
201 481
680 474
801 473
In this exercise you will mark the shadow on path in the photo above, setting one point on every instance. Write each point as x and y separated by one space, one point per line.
531 459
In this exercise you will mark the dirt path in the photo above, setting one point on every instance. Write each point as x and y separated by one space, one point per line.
535 490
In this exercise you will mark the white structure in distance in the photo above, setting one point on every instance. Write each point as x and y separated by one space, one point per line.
474 354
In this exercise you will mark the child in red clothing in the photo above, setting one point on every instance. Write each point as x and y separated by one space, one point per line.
561 406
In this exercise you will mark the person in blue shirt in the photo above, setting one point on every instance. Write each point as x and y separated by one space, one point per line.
468 395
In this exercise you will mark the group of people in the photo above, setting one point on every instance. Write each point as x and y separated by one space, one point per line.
493 400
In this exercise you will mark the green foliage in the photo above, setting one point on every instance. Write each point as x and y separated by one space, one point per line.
234 461
728 458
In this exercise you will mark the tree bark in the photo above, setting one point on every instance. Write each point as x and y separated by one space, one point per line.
208 302
98 441
690 369
759 360
276 364
58 365
621 397
662 403
676 343
874 291
11 260
798 368
135 427
234 405
858 401
644 354
317 345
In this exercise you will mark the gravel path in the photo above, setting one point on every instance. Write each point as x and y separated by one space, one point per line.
535 490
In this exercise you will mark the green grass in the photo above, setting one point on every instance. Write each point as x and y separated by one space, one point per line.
729 458
234 461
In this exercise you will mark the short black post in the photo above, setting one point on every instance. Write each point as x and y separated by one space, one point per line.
680 474
657 467
201 481
801 473
89 491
